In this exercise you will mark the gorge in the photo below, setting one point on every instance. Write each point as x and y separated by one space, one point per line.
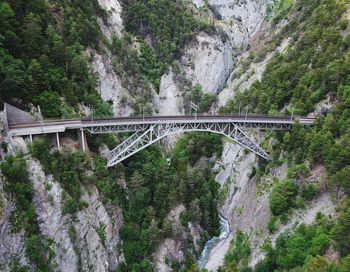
193 201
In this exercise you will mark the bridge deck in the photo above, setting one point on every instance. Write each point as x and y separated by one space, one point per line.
52 126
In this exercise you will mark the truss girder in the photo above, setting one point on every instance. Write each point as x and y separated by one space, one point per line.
99 129
153 133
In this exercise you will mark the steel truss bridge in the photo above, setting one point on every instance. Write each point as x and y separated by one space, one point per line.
150 129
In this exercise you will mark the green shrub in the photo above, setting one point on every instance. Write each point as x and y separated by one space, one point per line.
340 232
309 191
16 267
41 149
185 217
101 231
39 251
282 197
271 225
252 173
239 251
298 171
50 104
299 202
110 140
18 185
193 146
206 102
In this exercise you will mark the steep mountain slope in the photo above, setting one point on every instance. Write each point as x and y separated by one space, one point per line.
295 80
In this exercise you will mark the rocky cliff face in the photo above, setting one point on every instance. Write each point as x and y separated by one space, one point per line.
210 59
109 83
114 24
170 100
249 15
88 242
170 248
247 203
11 244
243 81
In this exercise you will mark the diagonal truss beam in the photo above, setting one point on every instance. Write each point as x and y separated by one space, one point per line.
142 139
125 145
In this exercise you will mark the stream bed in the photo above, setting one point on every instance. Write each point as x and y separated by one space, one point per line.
224 232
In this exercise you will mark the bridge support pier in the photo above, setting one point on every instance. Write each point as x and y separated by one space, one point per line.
58 141
82 139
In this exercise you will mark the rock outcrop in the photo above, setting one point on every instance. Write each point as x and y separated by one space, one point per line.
96 252
211 59
48 205
245 80
109 83
170 100
114 24
11 244
208 62
248 14
170 248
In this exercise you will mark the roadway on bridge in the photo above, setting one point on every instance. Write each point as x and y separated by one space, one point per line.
86 122
135 123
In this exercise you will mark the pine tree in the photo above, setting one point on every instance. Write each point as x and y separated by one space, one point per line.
38 81
32 36
341 233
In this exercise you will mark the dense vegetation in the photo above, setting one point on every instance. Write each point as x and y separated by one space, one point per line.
42 54
301 249
43 59
204 101
137 68
285 196
238 253
156 186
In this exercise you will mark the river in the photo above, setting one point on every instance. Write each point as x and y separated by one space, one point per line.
224 232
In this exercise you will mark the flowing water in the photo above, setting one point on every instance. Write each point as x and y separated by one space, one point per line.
224 232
